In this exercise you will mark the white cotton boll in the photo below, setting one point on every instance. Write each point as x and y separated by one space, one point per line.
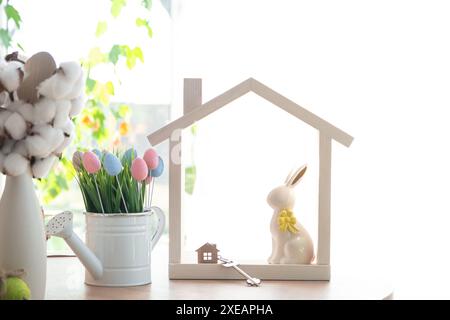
53 137
62 113
8 145
37 146
4 115
77 105
46 130
16 126
68 128
10 76
41 167
45 88
67 140
13 64
44 111
26 110
43 140
71 71
61 87
14 106
20 148
56 139
77 89
66 83
56 87
15 164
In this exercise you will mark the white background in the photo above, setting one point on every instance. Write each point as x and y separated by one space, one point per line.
380 70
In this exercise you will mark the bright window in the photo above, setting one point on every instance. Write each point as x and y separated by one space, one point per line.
378 69
207 256
67 30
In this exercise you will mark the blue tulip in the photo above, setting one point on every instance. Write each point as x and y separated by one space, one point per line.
159 169
129 156
112 164
98 153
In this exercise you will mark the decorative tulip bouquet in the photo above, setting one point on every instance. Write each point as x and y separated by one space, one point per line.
117 183
37 103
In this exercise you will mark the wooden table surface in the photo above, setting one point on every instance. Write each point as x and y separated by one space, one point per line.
65 280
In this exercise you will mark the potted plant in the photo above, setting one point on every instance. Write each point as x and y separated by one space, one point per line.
117 191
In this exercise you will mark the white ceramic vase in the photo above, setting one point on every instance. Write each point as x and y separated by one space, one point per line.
22 237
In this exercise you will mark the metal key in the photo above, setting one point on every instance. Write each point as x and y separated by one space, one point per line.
254 282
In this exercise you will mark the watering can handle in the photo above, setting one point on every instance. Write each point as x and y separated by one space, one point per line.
161 224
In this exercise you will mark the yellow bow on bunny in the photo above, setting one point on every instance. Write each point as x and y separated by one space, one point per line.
287 221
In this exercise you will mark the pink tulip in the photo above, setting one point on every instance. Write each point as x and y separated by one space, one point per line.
151 158
91 163
139 169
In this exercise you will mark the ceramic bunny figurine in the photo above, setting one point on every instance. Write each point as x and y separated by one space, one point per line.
291 243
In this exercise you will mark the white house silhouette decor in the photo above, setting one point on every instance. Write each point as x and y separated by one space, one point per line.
194 110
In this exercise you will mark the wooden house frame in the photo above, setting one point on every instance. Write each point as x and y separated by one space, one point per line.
194 110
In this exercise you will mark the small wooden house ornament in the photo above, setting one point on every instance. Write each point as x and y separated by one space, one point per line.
195 110
207 253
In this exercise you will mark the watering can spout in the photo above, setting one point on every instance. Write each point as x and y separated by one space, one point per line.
86 256
61 226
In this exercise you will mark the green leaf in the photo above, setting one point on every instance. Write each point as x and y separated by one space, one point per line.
116 7
103 92
5 38
110 88
99 115
131 62
101 134
91 103
140 22
132 55
90 85
144 23
130 58
62 182
123 110
102 26
53 192
190 177
20 46
194 129
147 4
12 13
95 57
137 53
114 53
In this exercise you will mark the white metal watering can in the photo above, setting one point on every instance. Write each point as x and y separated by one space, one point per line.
118 246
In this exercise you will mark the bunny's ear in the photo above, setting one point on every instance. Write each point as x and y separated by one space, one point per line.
289 177
297 176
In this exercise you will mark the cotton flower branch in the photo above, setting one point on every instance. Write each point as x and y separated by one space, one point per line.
37 103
